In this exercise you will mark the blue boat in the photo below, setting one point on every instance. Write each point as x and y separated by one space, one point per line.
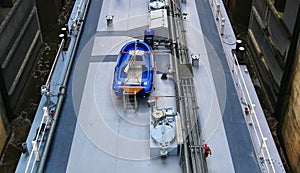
134 69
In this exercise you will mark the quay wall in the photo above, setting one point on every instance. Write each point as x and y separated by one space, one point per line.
291 124
20 40
4 125
29 38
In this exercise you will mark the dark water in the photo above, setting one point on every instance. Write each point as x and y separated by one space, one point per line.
239 12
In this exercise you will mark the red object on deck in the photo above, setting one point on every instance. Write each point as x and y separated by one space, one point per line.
246 111
206 150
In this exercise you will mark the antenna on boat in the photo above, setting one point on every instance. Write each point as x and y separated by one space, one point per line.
132 61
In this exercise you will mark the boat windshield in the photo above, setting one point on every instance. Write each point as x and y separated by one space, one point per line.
156 1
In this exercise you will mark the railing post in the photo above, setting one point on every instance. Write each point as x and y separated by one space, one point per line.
218 11
35 150
45 92
263 146
74 28
252 107
47 118
222 26
78 11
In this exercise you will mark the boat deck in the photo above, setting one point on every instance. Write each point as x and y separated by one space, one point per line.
95 134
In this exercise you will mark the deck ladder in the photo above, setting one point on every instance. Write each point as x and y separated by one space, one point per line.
129 100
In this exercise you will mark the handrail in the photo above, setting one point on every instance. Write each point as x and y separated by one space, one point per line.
45 124
75 32
39 151
218 14
260 143
37 142
259 135
54 64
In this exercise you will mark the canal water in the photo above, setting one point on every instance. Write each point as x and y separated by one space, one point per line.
239 12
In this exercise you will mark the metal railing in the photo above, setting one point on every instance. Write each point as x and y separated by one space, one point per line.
218 15
45 124
37 143
58 54
38 154
259 140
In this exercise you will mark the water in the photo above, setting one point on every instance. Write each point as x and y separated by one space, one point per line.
239 13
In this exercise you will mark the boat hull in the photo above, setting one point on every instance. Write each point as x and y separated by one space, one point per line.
134 70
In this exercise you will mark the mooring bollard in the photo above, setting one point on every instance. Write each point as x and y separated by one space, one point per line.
238 44
25 148
195 60
109 20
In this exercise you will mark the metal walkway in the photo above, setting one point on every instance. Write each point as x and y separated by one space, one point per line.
193 125
187 100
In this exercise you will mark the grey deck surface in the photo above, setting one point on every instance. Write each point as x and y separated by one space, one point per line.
108 139
238 137
275 157
221 115
59 155
94 133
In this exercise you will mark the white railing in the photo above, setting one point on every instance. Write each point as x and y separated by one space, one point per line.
45 124
37 143
78 16
219 16
259 140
